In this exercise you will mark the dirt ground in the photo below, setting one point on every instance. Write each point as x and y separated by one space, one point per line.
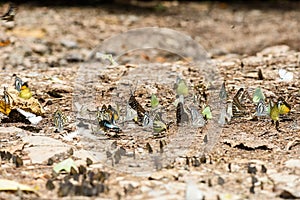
50 46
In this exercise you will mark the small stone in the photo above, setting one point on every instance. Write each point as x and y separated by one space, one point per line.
293 163
263 169
74 57
251 169
69 43
40 48
193 193
221 181
50 185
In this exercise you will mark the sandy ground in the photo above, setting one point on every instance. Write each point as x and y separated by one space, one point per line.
247 158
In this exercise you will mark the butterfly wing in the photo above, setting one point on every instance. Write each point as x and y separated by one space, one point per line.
181 87
18 83
181 115
147 121
261 109
158 124
283 106
134 104
59 120
258 95
197 118
131 114
10 14
223 93
239 108
154 101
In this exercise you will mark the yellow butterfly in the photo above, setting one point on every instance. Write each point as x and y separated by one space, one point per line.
25 92
280 108
6 103
283 106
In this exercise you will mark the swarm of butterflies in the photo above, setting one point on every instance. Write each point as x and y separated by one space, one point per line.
239 108
108 116
189 114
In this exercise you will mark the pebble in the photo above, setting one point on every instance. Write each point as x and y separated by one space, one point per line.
70 44
192 192
40 48
293 163
38 148
274 50
74 57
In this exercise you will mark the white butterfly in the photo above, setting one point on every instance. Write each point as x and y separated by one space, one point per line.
147 121
285 75
261 109
197 118
130 113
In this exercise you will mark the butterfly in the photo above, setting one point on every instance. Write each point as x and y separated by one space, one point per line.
181 116
280 108
261 108
102 114
131 114
285 75
238 107
158 124
181 87
106 125
154 101
7 96
223 93
6 102
10 14
258 95
18 82
283 106
274 114
107 117
206 112
147 121
59 120
25 92
197 119
134 104
113 113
